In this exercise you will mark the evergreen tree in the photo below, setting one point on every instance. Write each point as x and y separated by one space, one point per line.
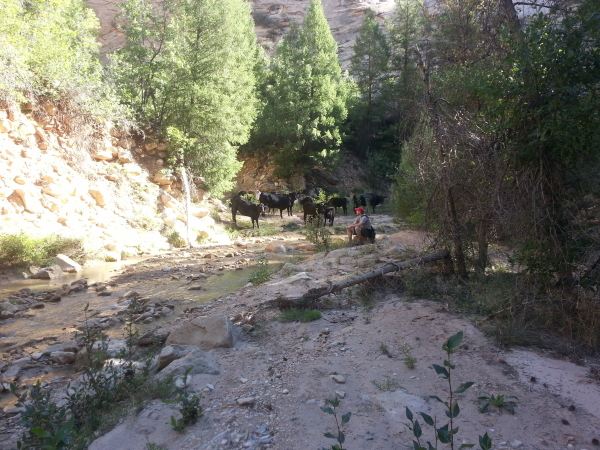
369 66
370 60
190 67
306 97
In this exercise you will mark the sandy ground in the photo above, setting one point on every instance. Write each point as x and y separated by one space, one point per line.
290 368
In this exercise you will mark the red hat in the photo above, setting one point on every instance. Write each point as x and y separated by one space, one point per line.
360 209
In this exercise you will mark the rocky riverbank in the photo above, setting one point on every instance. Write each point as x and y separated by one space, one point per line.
265 386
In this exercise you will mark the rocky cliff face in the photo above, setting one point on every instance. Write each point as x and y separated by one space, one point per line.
104 187
272 20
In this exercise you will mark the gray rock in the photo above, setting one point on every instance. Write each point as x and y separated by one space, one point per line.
49 273
245 401
200 361
67 264
341 379
205 332
68 346
10 375
62 358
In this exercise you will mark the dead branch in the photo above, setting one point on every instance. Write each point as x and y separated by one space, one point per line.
314 293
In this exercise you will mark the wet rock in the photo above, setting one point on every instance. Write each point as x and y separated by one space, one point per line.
104 294
205 332
6 315
62 358
10 308
49 273
38 305
81 281
53 298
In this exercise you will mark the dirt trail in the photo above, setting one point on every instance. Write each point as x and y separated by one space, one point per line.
288 369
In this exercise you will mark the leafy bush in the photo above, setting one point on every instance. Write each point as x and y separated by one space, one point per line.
46 425
262 272
175 239
20 250
106 394
294 315
189 405
445 434
318 235
48 50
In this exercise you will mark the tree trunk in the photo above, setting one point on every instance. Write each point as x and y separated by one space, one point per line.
315 293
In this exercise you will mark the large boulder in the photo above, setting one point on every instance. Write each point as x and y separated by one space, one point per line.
67 264
175 360
205 332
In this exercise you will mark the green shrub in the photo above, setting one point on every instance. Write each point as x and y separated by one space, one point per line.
318 235
298 315
20 250
175 239
262 272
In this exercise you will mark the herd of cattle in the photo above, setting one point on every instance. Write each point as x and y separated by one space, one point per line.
241 203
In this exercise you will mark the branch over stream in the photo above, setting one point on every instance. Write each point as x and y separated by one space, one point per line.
314 293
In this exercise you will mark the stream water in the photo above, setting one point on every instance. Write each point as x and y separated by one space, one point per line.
41 327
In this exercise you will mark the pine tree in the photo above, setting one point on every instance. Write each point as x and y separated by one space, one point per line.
369 67
370 61
307 96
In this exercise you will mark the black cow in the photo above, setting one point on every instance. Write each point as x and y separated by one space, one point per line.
339 202
277 201
302 199
373 199
329 214
246 208
359 201
313 210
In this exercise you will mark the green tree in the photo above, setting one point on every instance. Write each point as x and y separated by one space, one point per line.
48 50
306 97
190 66
543 102
369 67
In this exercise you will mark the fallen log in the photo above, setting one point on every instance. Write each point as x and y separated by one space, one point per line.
312 294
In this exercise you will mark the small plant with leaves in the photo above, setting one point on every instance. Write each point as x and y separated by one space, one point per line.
299 315
384 349
47 425
409 360
262 272
445 434
318 235
188 405
340 437
499 402
389 385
